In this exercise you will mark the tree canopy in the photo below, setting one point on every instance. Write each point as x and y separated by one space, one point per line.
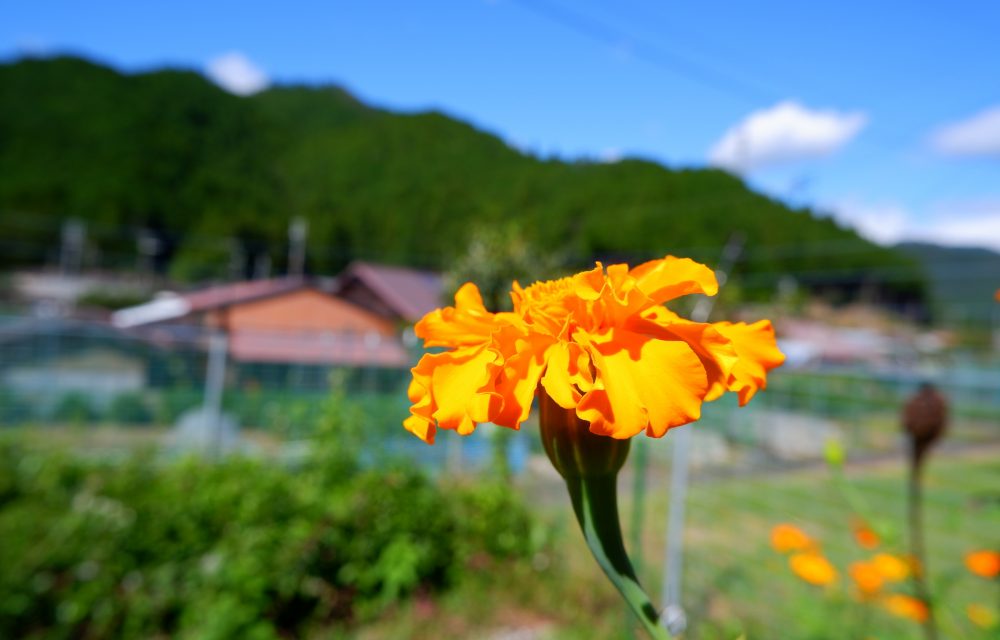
168 153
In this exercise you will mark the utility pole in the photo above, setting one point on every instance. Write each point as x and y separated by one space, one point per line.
298 230
148 246
237 260
215 381
262 266
71 248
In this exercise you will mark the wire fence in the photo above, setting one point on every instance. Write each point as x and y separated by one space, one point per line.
61 373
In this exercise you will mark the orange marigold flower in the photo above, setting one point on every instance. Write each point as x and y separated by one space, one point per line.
599 343
906 607
812 567
788 537
891 568
982 616
864 535
983 563
866 577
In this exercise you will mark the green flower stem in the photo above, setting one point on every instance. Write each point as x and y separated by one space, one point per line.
589 465
595 503
915 521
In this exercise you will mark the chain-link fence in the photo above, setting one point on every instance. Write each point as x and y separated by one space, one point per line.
75 376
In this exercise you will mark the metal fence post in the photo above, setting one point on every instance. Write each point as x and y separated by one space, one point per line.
673 616
215 380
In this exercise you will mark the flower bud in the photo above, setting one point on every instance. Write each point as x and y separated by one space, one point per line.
572 448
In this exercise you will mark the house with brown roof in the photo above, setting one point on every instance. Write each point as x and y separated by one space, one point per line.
278 321
397 293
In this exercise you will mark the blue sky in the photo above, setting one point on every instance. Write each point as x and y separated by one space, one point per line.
887 113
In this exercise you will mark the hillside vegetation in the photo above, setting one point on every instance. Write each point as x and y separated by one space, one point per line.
962 282
168 154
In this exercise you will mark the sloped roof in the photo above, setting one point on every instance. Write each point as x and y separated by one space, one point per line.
170 306
237 292
409 293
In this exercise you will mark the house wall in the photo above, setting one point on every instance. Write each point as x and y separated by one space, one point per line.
303 311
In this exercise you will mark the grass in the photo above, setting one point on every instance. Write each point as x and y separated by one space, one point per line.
734 583
732 574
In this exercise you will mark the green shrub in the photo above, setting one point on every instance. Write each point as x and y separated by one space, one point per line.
130 408
74 408
239 548
496 519
14 409
172 403
112 299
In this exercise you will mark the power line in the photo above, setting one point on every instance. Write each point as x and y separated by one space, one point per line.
731 84
672 62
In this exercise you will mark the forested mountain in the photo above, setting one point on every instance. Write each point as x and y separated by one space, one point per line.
169 155
962 282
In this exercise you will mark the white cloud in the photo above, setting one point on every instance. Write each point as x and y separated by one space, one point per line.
972 223
882 222
611 155
786 132
975 136
32 46
235 73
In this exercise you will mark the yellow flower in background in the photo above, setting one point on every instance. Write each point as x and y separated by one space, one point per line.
871 576
598 343
982 616
985 564
788 537
906 607
867 578
891 568
813 568
864 535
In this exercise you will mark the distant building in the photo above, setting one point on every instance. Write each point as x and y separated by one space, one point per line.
278 321
812 343
395 293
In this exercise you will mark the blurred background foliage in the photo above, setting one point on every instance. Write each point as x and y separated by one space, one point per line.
241 548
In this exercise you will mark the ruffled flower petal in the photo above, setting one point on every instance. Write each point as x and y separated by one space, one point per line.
454 389
669 278
758 353
645 384
567 374
467 323
518 380
420 423
716 352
